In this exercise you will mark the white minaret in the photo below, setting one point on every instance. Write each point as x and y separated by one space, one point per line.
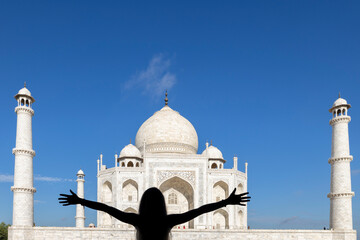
23 202
340 190
80 215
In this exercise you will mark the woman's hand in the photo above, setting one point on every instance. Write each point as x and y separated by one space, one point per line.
67 200
234 199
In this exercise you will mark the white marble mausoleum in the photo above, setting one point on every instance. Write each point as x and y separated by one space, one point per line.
166 155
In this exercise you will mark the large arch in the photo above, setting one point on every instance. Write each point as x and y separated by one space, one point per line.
130 191
107 194
220 219
185 197
220 191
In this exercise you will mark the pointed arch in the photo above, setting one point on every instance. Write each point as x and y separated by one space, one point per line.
184 194
130 191
220 191
241 219
240 188
130 210
214 166
220 219
107 193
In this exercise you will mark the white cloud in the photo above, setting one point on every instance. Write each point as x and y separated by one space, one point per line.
10 178
51 179
155 79
6 178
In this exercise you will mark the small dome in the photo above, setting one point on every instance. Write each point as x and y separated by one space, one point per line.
80 172
213 153
340 101
167 132
130 151
24 91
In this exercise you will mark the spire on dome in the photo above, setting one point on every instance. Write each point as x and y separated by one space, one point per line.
339 95
25 84
166 98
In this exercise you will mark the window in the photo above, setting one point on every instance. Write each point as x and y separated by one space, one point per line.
213 165
130 164
130 198
172 199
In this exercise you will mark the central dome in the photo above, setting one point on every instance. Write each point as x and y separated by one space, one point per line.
167 132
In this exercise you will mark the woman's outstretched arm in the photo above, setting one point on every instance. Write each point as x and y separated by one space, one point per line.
175 219
73 199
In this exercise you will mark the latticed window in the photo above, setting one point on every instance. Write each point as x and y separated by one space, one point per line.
172 198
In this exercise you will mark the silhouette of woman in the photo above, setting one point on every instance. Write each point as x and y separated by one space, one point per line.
152 222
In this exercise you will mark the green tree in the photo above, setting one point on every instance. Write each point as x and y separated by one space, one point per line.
4 231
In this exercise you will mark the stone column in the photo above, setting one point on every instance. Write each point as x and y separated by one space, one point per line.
340 190
23 205
80 214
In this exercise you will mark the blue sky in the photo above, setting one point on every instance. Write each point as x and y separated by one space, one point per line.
255 77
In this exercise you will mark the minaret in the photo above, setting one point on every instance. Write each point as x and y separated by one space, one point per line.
340 190
80 215
235 163
23 202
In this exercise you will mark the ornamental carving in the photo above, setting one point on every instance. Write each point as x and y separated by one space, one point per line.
23 151
23 189
189 176
168 147
340 159
340 119
334 195
24 109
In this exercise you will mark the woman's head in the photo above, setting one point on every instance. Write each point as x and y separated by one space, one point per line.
152 203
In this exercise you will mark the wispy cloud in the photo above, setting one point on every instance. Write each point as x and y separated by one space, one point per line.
39 201
155 79
10 178
6 178
355 172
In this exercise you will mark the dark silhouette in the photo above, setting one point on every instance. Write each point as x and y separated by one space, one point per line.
152 222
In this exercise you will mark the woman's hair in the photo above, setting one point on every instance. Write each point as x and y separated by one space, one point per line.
152 203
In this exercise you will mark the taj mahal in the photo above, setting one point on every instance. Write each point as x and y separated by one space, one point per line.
166 155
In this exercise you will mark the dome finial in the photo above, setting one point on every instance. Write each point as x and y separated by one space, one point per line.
210 142
339 95
25 84
166 98
130 140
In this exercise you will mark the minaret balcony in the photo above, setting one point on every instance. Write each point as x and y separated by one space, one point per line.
339 119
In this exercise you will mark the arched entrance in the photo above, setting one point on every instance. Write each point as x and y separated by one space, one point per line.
182 191
220 219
